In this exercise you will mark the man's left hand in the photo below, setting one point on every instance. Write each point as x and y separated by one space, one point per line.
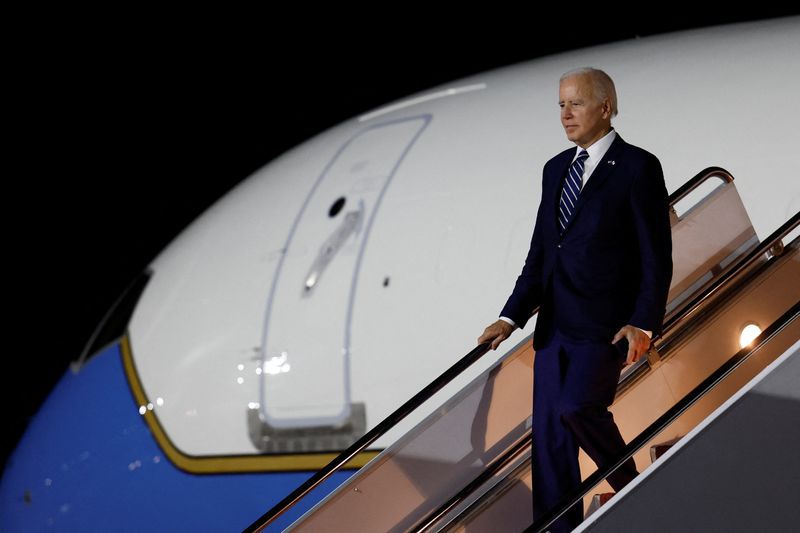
638 342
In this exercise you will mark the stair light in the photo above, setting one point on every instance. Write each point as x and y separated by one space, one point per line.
749 332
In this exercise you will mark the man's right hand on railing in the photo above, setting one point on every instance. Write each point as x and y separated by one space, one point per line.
496 333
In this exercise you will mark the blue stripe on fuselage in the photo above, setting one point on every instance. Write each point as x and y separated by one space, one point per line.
88 462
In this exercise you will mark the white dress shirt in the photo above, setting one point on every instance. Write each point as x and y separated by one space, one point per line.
596 152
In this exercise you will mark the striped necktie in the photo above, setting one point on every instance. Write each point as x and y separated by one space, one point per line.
571 190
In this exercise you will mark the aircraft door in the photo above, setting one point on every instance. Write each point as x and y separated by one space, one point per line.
305 358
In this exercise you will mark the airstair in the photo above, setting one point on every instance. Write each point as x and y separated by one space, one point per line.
466 466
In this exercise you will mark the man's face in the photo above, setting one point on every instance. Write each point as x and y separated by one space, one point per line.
584 118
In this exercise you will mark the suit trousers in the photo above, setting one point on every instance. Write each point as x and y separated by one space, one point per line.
574 384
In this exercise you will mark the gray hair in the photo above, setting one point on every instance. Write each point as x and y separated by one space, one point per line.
602 85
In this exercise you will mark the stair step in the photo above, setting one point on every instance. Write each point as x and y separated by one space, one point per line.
657 450
598 500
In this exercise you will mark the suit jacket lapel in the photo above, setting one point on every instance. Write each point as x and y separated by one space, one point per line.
601 172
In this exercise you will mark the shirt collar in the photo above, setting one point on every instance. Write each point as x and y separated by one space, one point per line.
599 148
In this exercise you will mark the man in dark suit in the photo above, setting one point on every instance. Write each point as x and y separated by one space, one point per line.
599 268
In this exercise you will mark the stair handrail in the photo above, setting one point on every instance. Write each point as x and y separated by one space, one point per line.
690 309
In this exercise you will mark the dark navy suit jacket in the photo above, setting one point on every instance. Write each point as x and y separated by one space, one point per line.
612 266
